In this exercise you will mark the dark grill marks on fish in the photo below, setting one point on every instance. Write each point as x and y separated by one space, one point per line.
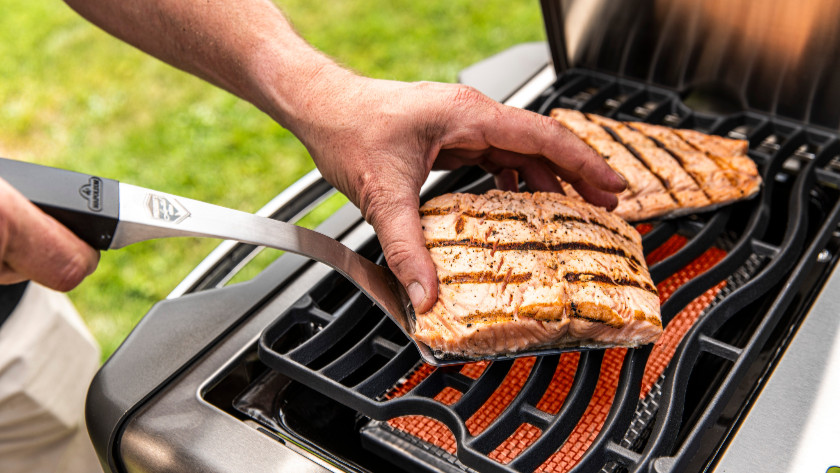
720 163
527 312
641 159
498 316
674 155
535 246
633 153
518 217
485 277
569 218
543 275
609 130
425 212
604 279
718 160
669 172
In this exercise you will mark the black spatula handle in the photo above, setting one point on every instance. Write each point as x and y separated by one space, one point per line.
87 205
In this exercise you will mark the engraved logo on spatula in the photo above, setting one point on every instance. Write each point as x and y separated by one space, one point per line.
166 209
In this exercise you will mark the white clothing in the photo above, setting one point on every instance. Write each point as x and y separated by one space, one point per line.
47 360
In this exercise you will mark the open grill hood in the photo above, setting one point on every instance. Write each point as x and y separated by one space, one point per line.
777 57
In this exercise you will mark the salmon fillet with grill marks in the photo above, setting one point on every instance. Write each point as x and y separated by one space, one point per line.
669 172
519 272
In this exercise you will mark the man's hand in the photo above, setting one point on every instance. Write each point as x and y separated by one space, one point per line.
34 246
376 141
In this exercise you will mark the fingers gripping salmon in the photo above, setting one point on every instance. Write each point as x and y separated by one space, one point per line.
520 271
669 172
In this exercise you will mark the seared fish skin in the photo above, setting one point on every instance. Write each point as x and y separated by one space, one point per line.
669 172
520 271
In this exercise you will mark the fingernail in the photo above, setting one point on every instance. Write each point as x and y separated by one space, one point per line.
623 180
416 293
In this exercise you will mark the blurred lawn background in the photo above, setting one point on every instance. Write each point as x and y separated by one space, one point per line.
74 97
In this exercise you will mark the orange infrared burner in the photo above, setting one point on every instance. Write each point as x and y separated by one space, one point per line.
590 424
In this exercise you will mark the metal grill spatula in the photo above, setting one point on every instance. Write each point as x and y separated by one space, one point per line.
109 215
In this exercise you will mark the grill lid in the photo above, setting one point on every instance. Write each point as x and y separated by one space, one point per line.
773 56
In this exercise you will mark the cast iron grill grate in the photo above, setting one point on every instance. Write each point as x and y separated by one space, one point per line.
769 245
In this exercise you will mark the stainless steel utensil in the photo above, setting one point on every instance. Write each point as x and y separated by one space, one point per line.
109 215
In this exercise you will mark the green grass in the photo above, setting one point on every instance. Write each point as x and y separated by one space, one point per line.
72 96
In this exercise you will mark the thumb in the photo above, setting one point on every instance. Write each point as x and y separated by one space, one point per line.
404 245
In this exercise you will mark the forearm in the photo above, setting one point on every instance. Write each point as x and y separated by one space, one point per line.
247 47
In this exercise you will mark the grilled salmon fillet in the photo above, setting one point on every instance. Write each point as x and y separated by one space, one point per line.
519 272
669 172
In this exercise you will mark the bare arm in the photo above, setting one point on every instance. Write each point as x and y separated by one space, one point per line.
375 140
244 46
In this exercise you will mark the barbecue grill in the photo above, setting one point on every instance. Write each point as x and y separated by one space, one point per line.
296 370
